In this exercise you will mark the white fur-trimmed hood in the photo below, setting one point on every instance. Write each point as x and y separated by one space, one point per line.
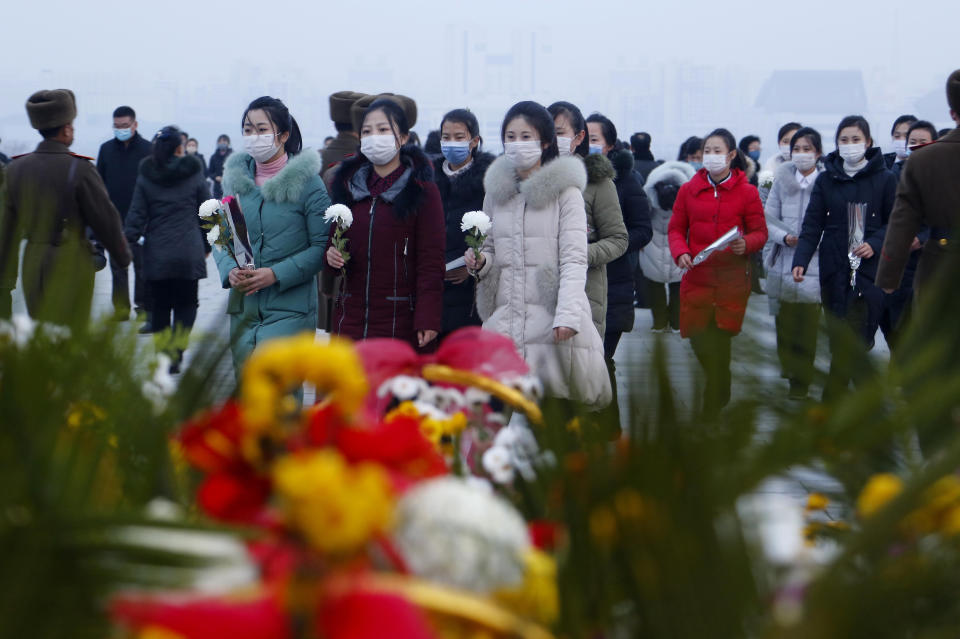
286 186
541 188
678 173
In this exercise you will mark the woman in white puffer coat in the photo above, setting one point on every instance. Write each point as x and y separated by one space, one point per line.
796 305
533 265
657 264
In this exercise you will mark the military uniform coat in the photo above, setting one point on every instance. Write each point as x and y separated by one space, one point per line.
928 194
52 196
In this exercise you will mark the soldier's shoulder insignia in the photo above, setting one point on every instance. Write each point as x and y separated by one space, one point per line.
22 155
82 157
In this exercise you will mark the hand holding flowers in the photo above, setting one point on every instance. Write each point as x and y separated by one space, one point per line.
342 216
476 224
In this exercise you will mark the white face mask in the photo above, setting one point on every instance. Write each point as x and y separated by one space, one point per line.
804 161
714 162
564 144
852 153
260 147
900 148
523 155
785 151
379 149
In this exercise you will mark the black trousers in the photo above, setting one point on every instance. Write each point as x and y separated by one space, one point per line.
895 313
712 348
665 312
176 299
121 283
850 335
797 327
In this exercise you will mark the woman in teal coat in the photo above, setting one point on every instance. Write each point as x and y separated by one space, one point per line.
283 200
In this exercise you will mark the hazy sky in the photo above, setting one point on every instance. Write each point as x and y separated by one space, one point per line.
97 47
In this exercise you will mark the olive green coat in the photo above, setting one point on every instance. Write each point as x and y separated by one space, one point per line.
606 233
52 197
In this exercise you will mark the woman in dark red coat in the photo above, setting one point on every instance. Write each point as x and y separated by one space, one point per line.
713 295
394 275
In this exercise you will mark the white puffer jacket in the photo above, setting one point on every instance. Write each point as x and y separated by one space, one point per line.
784 209
534 276
655 260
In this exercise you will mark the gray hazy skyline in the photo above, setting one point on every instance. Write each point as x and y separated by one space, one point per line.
674 69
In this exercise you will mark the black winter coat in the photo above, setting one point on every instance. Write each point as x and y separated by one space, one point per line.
164 212
644 167
217 160
119 166
459 195
826 215
636 215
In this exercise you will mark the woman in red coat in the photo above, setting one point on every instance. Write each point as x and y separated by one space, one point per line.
394 275
713 295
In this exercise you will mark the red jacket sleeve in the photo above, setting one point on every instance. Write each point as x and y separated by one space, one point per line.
431 246
754 221
679 225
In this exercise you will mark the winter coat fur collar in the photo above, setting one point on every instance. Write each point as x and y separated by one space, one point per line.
787 176
470 181
350 183
286 186
541 188
678 173
177 169
598 168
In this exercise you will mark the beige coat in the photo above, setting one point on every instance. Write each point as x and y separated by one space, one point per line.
535 275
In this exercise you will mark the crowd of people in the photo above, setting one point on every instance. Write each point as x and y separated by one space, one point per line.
583 226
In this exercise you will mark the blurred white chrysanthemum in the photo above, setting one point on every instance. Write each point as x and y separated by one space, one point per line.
457 533
340 214
476 222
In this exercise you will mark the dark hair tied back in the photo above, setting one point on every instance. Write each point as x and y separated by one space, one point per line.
534 114
467 119
165 144
739 162
279 115
577 123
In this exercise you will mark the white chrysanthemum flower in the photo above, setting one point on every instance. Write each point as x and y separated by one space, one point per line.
765 178
213 234
403 387
209 208
426 409
498 463
161 386
521 444
529 385
476 220
339 214
474 396
456 533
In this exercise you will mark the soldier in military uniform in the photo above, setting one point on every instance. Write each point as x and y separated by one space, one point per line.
929 194
51 197
348 139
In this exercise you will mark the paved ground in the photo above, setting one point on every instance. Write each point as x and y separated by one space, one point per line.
754 356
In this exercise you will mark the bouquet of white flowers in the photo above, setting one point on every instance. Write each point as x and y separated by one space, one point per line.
342 216
227 229
476 224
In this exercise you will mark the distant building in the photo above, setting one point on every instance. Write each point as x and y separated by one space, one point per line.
814 92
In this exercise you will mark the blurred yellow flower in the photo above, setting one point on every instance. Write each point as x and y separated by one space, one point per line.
537 598
278 367
879 491
85 414
603 526
817 501
338 508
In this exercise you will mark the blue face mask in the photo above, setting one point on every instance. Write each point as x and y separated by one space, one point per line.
455 152
123 134
754 155
596 149
696 165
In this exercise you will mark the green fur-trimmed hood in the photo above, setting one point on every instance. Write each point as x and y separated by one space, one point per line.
286 186
599 168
